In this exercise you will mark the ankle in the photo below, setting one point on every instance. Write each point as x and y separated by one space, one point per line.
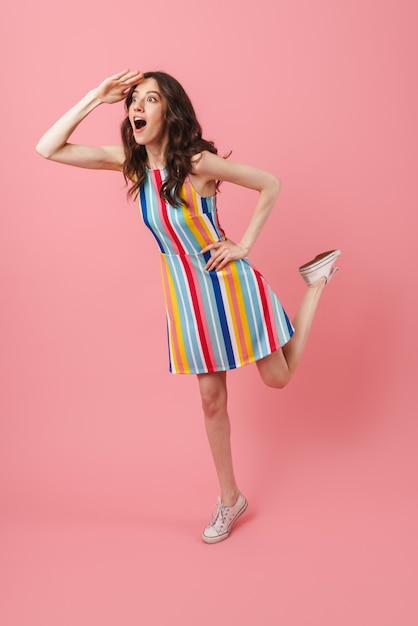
229 498
318 284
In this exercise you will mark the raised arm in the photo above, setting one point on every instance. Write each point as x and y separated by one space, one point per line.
212 167
54 143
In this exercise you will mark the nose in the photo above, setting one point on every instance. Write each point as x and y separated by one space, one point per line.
138 105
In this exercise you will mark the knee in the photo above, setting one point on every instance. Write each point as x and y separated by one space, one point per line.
276 381
274 370
214 401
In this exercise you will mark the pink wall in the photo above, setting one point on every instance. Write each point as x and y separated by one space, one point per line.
95 432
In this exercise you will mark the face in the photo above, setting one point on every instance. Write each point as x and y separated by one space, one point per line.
147 114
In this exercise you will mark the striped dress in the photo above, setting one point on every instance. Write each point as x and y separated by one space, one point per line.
216 320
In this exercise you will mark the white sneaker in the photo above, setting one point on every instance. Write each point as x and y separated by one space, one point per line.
222 520
322 266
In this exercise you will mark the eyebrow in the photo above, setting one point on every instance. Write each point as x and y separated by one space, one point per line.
147 92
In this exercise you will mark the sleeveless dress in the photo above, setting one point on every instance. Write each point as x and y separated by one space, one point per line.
216 320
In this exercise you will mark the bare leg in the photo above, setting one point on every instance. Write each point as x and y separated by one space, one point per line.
214 402
277 369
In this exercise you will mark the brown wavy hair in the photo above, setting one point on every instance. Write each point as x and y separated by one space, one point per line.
184 141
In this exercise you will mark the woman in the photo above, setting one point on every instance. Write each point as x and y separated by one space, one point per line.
221 313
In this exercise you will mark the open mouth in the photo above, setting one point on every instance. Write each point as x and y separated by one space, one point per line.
139 123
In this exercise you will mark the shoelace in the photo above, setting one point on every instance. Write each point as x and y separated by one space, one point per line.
220 511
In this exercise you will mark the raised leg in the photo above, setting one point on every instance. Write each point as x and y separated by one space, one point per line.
277 369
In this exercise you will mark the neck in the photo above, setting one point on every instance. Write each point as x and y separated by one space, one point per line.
156 156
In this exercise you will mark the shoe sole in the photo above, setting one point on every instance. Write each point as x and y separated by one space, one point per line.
326 257
226 535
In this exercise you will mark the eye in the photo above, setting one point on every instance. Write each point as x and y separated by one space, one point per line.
151 99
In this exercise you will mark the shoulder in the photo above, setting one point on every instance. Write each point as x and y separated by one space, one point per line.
203 162
201 176
211 166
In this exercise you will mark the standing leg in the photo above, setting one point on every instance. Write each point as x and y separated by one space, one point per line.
214 403
231 504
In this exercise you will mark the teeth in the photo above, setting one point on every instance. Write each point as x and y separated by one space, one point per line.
139 123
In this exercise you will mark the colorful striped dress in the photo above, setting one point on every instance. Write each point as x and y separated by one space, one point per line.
216 320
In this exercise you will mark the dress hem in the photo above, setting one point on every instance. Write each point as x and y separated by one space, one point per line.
234 367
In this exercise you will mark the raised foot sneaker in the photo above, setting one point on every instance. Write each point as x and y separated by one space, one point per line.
222 520
322 266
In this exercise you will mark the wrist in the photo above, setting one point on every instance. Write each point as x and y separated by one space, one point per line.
92 98
245 248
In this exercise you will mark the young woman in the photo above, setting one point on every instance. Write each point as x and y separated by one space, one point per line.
221 313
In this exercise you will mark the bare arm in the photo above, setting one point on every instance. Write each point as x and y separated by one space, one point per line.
54 143
212 167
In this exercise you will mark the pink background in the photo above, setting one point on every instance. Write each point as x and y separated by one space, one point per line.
106 478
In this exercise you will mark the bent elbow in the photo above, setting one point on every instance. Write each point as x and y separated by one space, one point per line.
45 149
276 185
42 151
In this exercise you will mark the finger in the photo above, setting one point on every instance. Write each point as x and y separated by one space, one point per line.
209 247
119 75
211 267
211 264
126 85
133 76
215 261
223 261
216 267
